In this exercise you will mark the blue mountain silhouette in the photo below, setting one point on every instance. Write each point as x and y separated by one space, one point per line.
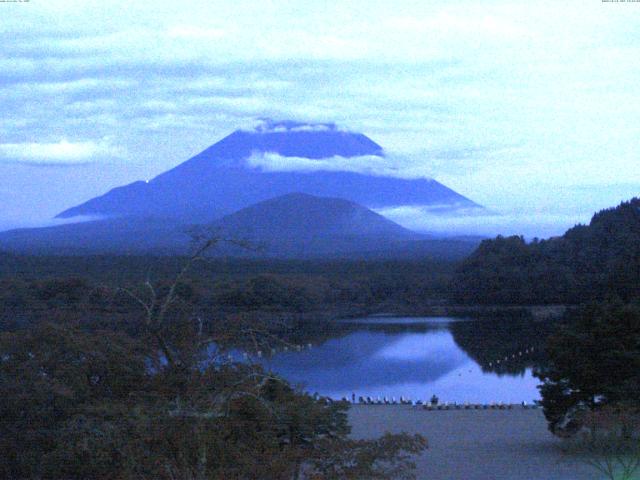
220 181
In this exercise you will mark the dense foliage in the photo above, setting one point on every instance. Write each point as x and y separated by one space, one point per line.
111 383
29 285
100 381
593 361
594 262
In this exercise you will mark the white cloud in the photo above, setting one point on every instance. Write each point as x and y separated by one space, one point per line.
370 164
265 125
58 153
312 128
73 86
462 23
541 224
9 223
193 32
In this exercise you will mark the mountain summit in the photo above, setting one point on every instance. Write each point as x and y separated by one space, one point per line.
293 139
221 180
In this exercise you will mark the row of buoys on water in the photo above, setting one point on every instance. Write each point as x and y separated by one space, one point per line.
512 357
380 401
274 351
287 348
478 406
426 405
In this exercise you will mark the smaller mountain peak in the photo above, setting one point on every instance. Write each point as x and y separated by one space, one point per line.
308 199
302 219
294 195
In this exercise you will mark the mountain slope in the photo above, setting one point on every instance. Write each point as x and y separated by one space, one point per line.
220 180
306 216
302 225
293 225
290 226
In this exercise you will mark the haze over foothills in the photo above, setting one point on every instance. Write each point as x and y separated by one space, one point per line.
529 109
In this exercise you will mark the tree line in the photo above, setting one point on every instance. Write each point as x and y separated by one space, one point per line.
599 261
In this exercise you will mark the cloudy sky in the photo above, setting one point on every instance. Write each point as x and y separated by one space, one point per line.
529 108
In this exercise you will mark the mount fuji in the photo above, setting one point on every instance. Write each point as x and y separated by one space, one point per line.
316 198
222 179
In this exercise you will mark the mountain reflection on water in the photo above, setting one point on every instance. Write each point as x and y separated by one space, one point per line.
416 357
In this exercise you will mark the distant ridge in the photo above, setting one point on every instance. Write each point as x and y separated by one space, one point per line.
123 235
219 181
295 225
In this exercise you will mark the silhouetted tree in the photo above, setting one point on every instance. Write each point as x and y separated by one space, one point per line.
162 399
593 361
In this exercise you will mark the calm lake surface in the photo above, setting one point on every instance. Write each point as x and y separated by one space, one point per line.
455 359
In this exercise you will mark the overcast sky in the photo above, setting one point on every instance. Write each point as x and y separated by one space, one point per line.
528 108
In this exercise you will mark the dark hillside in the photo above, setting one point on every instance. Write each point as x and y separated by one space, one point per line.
589 262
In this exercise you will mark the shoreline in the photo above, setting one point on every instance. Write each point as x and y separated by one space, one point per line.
496 444
539 312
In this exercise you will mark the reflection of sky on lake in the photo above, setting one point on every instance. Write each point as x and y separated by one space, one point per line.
408 363
412 347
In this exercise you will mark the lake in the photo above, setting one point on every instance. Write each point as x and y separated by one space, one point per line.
458 360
